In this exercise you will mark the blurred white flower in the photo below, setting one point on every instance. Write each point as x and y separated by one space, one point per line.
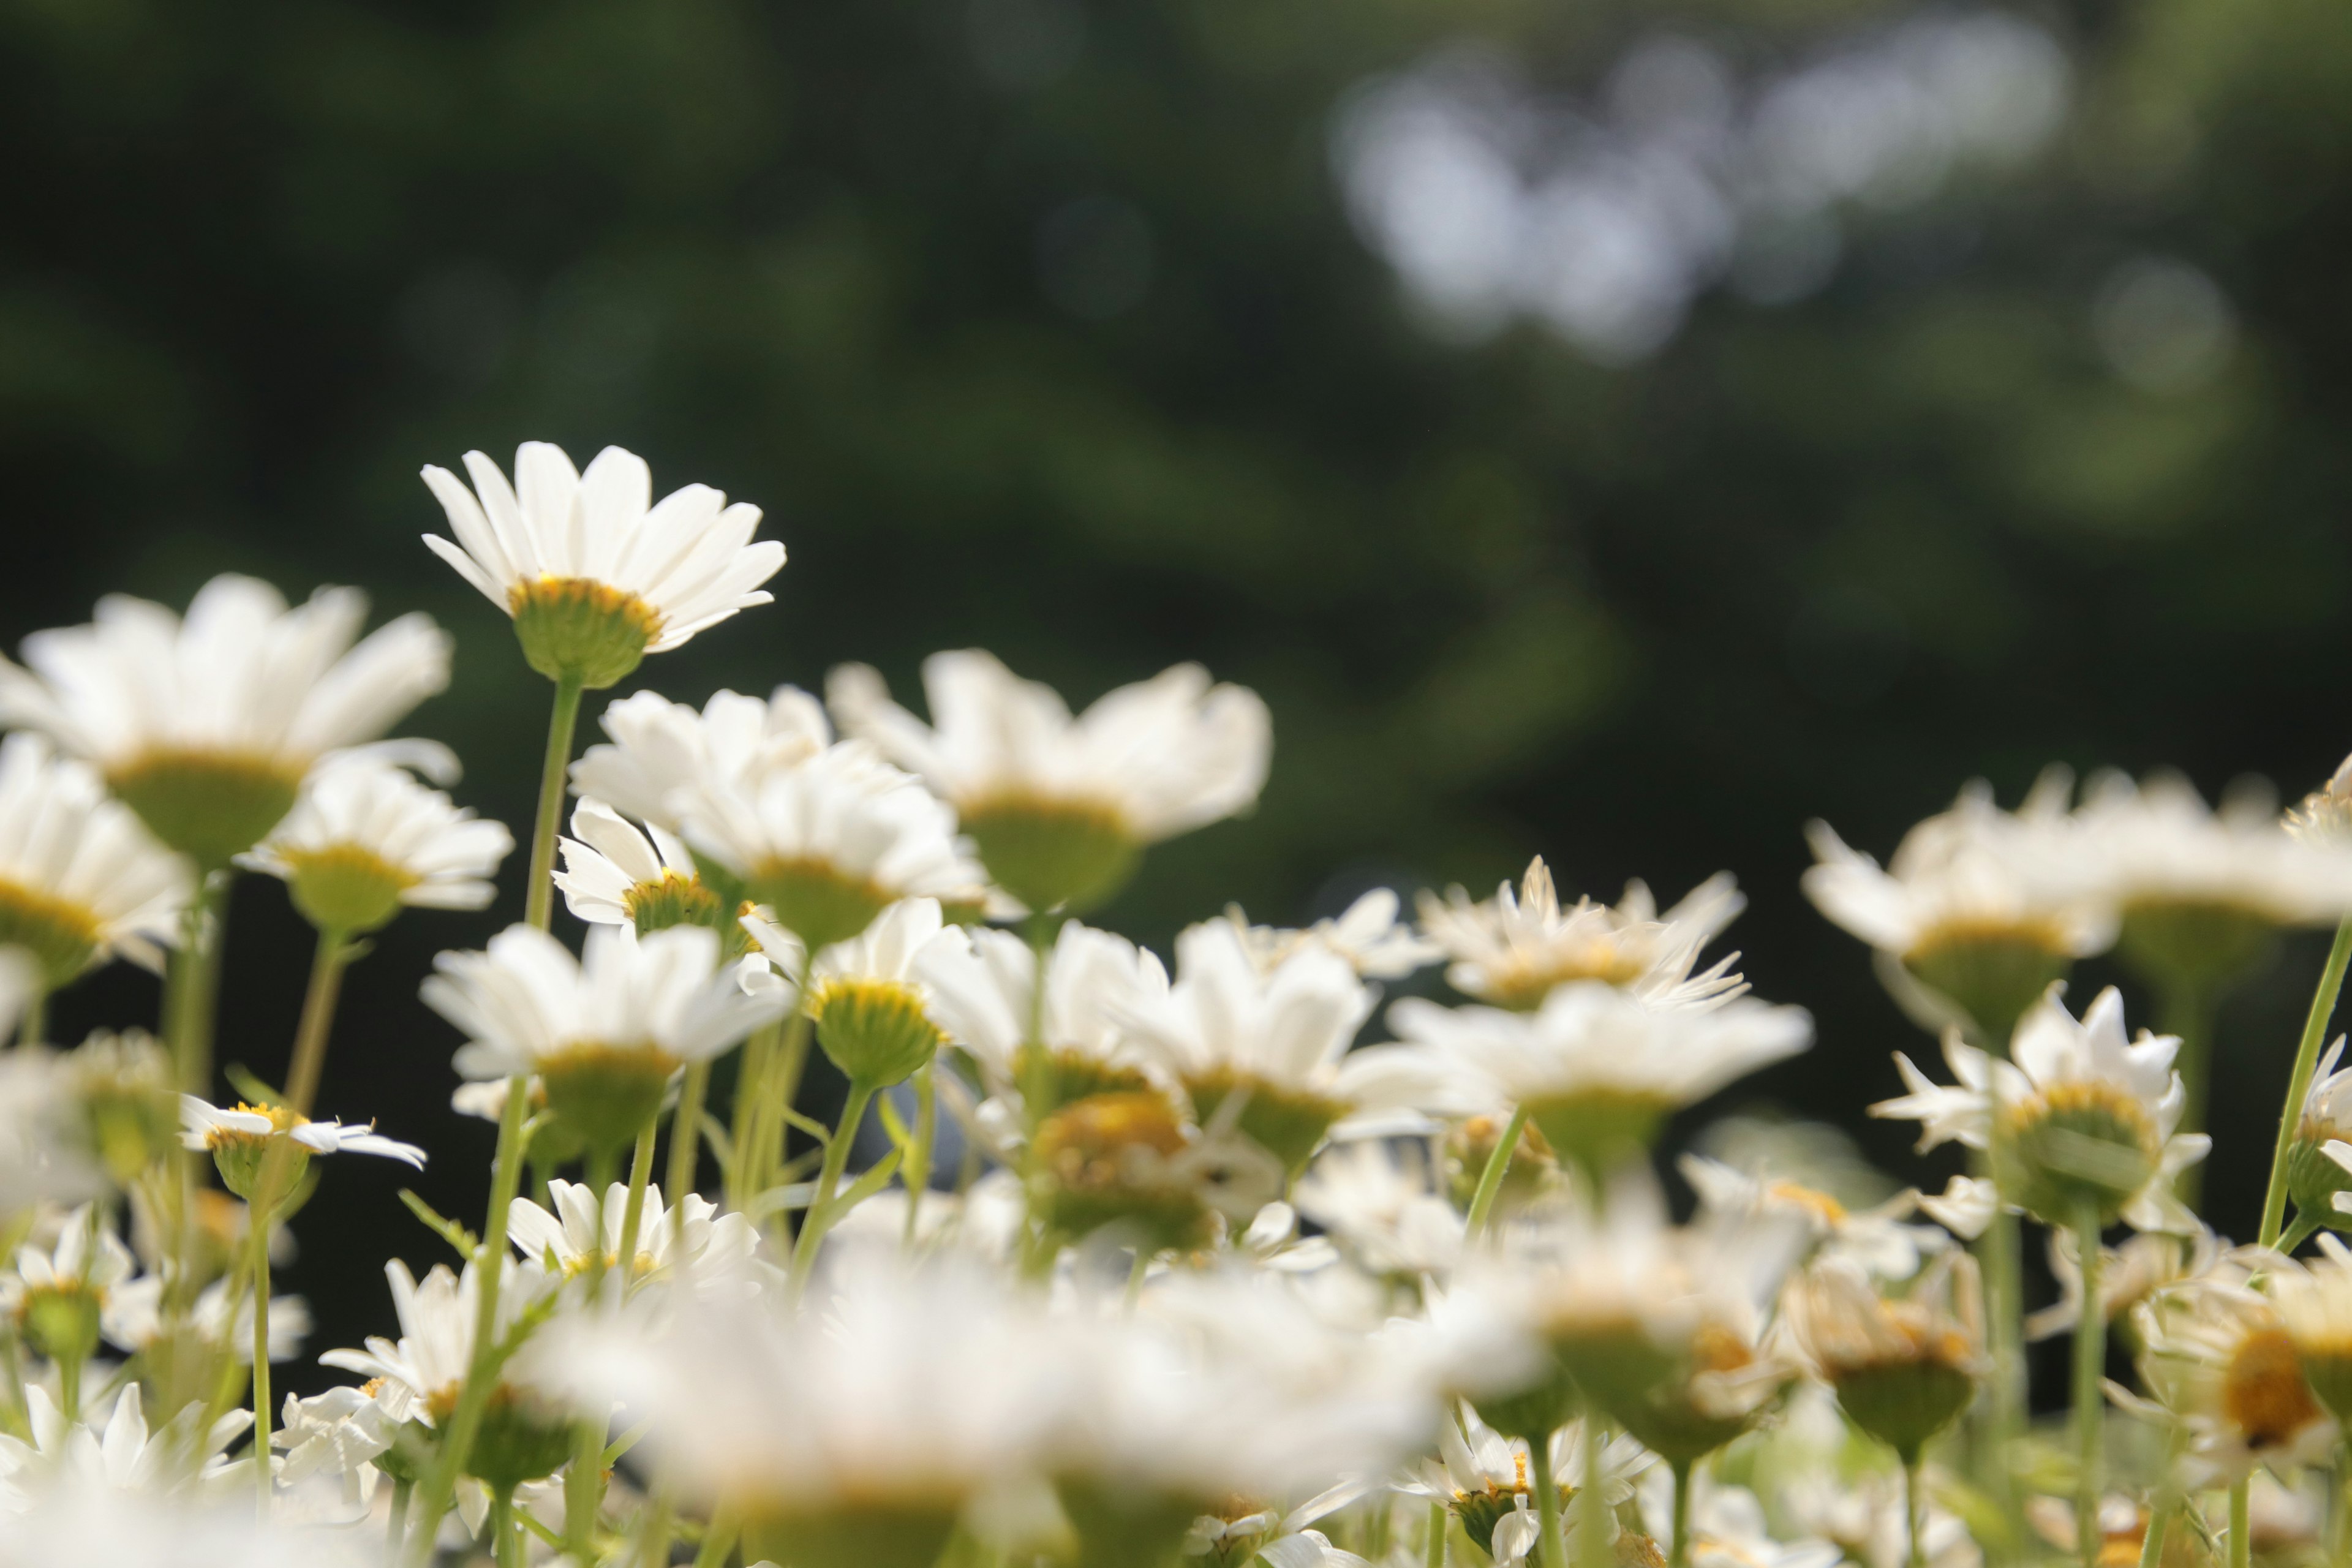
81 877
579 1233
1368 934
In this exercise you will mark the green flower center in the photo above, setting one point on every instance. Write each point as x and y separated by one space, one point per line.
1053 854
579 628
212 806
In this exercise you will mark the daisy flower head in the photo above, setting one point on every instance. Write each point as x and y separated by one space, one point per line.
658 752
1597 1069
1368 934
126 1467
616 874
524 1434
829 842
2225 1370
2203 892
1875 1239
1378 1201
2314 1299
873 1011
575 1233
602 1031
2081 1116
594 573
365 841
207 726
983 992
1262 1047
2316 1178
243 1138
123 1087
1484 1479
1665 1326
1905 1366
81 877
1062 807
1962 911
56 1296
135 1319
916 1393
1512 950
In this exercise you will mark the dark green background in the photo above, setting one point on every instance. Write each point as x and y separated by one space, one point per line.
260 260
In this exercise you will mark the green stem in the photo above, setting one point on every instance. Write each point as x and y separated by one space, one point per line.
191 982
2242 1531
685 1137
260 1227
2339 1518
915 1171
1490 1179
506 1537
2188 1011
2303 1229
583 1483
836 1155
2159 1524
2090 1400
718 1538
1682 1543
641 1170
1432 1552
397 1519
2298 1083
538 896
1595 1547
1915 1513
1998 1256
1551 1547
751 1079
326 965
1135 1278
34 1021
69 1385
783 1088
489 1264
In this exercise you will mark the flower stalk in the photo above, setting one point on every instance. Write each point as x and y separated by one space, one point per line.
1490 1177
821 1214
538 899
2298 1086
2089 1399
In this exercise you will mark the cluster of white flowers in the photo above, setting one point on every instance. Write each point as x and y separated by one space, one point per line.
1230 1261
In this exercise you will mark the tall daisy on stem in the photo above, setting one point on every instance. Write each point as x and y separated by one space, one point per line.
596 576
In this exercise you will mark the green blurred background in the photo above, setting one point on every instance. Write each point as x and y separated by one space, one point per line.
1617 431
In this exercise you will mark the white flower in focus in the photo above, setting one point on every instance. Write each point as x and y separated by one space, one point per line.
1381 1204
1061 806
579 1234
81 877
226 1133
614 875
1367 935
873 1010
134 1319
1271 1043
603 1031
365 838
1513 950
594 573
2084 1115
207 727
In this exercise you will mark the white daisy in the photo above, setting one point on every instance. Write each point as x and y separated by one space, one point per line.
983 990
126 1460
206 1126
1270 1042
336 1434
581 1234
1485 1479
1512 950
2315 1306
1903 1366
1378 1201
605 1031
1061 806
2223 1366
660 752
1597 1068
830 842
2082 1115
1367 935
616 875
1876 1238
873 1010
57 1295
2156 845
365 838
80 878
574 547
207 727
134 1318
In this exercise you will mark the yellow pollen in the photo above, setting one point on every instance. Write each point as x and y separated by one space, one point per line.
2263 1392
1828 1208
282 1120
1716 1349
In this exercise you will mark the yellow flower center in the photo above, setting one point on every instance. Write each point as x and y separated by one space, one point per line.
63 937
1828 1209
2263 1392
282 1120
1521 984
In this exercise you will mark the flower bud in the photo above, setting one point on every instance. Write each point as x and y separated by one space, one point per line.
877 1032
1053 854
581 628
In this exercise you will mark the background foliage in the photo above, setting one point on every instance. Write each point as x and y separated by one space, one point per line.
1046 329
